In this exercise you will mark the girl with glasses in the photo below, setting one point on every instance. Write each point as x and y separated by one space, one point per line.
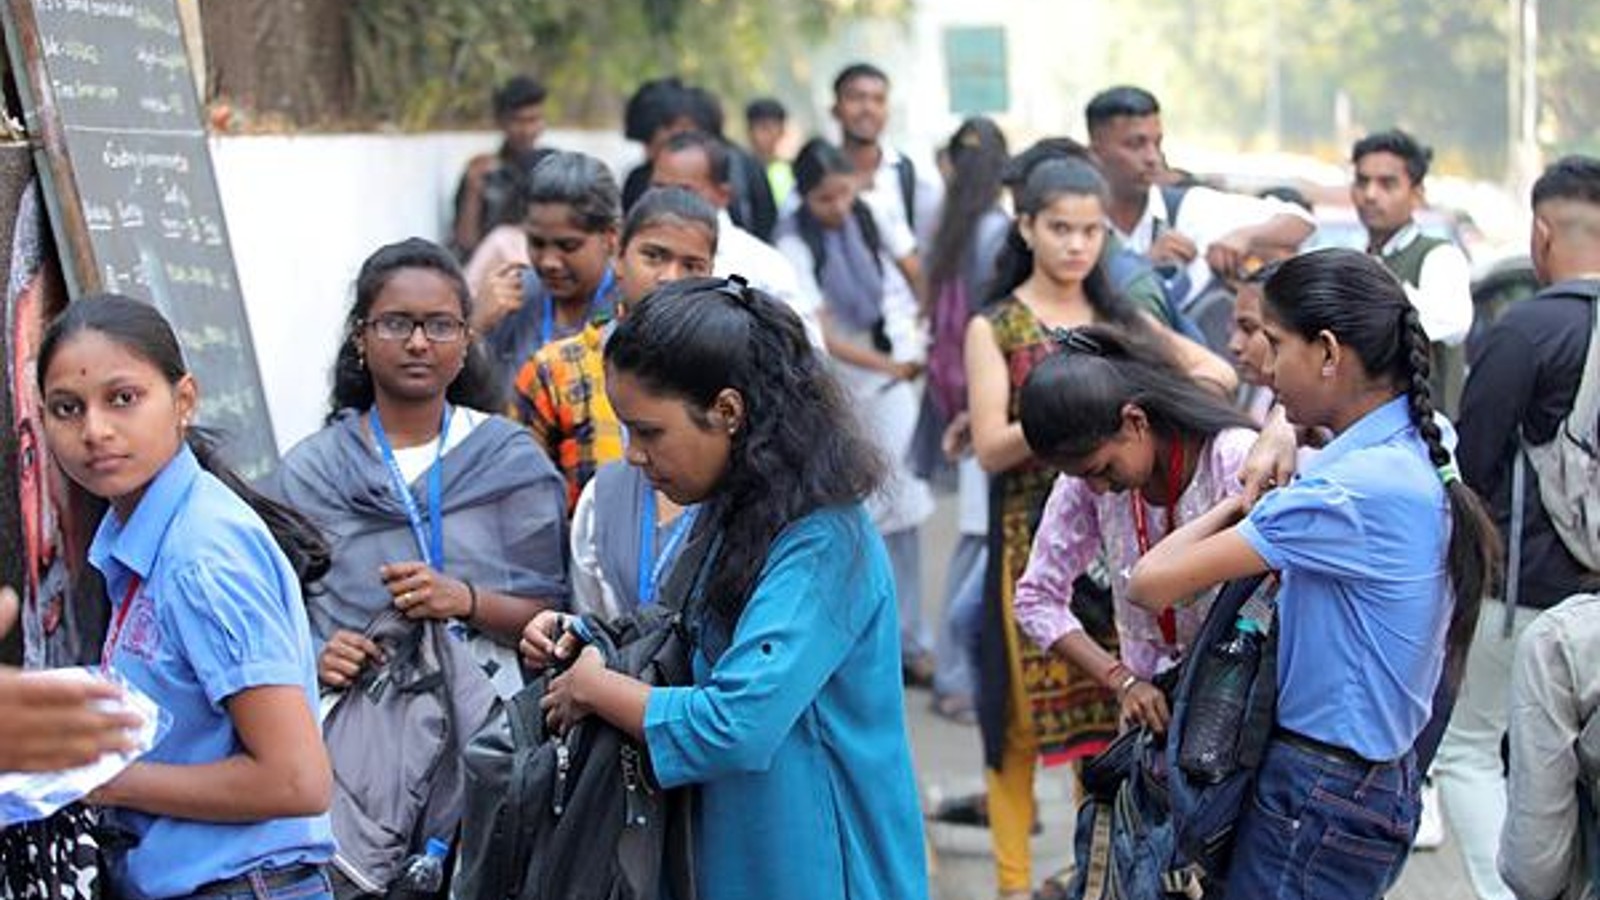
439 513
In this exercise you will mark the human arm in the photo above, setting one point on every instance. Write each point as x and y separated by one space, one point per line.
997 442
280 771
1206 551
1538 837
863 357
421 592
468 227
1279 234
1066 542
55 723
499 295
1196 361
1443 295
1272 459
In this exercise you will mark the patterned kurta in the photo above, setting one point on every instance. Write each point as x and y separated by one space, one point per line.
1071 715
560 394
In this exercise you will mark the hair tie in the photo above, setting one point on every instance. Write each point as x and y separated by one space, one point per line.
1078 341
738 288
1448 473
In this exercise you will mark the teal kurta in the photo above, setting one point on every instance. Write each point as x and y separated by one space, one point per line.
796 735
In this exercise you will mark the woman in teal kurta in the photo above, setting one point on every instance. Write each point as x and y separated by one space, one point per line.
794 729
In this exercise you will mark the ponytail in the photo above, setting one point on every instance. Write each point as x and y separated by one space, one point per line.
1353 296
1474 558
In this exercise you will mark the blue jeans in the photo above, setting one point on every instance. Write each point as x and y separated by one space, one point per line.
313 887
1323 829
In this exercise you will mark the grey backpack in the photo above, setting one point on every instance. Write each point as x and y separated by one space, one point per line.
1568 466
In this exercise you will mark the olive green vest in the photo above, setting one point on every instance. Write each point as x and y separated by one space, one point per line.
1449 363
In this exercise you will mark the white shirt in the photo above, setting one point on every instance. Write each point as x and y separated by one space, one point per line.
741 253
887 408
1205 215
1443 293
885 196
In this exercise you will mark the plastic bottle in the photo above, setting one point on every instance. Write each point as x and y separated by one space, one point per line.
1211 731
423 873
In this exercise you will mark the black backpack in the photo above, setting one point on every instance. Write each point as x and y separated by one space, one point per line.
580 817
576 816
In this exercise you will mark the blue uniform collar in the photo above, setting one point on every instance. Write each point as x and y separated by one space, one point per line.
1372 429
135 543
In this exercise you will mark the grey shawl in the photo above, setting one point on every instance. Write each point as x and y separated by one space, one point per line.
504 517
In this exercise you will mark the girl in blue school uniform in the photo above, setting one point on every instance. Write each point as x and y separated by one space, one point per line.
1383 555
794 728
203 577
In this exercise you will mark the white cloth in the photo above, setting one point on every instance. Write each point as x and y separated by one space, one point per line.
885 196
1205 215
972 497
741 253
414 461
591 593
1443 292
887 408
1468 769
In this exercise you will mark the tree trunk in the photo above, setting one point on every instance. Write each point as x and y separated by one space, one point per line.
280 59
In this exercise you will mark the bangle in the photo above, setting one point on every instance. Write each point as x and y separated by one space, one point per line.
1115 675
472 600
1126 684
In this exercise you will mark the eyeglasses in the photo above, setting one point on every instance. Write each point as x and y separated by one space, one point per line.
400 327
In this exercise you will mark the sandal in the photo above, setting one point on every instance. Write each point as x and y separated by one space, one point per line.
973 810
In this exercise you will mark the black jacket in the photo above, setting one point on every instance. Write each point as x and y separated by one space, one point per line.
1526 376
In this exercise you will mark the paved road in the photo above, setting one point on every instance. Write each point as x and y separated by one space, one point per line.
948 759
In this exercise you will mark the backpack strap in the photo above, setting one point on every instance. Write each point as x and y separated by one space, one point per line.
1583 421
1096 879
1519 512
906 171
1172 198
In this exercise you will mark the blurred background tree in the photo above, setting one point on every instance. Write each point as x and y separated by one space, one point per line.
416 64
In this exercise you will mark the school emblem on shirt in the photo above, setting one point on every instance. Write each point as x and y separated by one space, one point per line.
141 636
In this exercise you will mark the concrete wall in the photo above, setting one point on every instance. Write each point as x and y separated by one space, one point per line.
304 211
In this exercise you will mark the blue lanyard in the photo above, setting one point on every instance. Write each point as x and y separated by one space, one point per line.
430 540
547 324
652 566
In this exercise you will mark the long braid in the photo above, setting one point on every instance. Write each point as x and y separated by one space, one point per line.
1474 554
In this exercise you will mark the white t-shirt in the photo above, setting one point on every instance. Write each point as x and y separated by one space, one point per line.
741 253
415 461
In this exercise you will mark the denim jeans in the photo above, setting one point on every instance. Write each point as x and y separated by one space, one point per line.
313 887
1323 829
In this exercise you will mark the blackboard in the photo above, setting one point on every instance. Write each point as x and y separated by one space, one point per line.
109 101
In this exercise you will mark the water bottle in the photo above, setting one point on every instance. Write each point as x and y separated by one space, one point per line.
1211 732
423 873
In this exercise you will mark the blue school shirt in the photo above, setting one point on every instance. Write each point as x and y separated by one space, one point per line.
218 611
796 734
1360 540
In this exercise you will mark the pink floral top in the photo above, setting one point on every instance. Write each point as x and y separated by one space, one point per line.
1078 524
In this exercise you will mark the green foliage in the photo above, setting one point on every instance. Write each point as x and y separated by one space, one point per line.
435 63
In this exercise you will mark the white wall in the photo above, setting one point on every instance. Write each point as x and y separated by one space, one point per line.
304 211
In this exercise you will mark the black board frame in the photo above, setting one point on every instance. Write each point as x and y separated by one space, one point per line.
244 421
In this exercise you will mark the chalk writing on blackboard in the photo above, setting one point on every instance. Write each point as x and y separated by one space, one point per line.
108 86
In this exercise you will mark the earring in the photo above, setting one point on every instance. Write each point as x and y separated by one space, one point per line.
1327 370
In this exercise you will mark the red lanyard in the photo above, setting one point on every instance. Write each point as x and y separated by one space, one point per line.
1168 619
114 633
